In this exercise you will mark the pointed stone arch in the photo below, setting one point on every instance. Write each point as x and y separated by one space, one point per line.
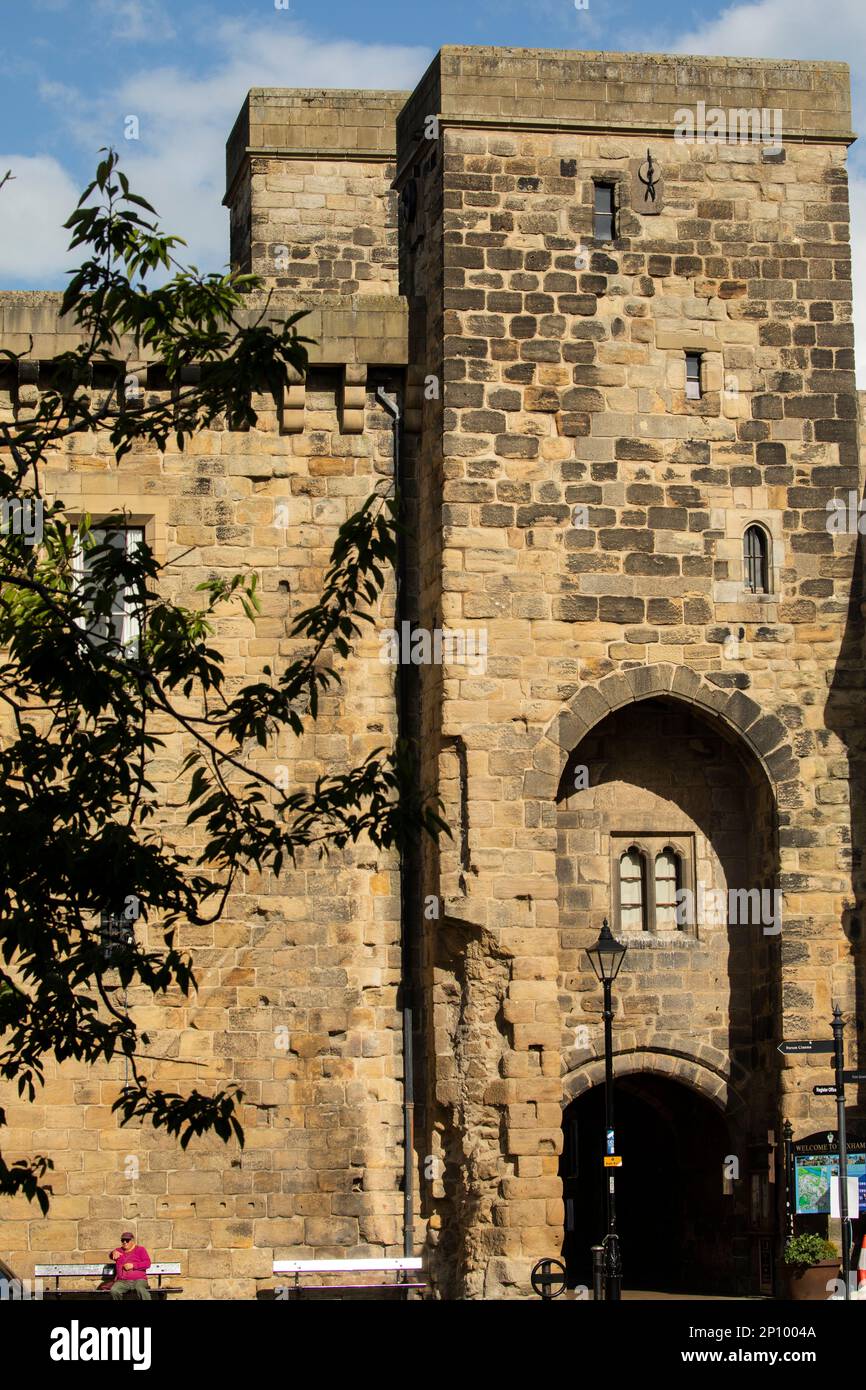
763 734
708 1076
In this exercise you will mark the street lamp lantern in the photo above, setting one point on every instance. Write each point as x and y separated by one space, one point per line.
606 957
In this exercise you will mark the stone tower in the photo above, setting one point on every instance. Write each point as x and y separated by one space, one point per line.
672 698
611 297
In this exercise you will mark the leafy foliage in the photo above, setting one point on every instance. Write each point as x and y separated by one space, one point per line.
85 711
809 1249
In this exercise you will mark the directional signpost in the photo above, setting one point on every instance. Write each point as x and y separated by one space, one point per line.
837 1047
839 1062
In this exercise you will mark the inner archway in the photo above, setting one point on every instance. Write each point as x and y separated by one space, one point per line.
676 1221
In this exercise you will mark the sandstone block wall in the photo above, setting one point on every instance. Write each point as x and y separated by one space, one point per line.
297 984
308 177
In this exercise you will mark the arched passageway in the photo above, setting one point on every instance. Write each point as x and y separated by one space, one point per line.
678 1225
667 825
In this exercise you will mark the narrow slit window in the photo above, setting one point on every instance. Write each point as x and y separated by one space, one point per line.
632 897
668 882
693 376
603 221
756 560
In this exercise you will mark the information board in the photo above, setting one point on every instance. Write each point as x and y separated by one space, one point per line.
812 1177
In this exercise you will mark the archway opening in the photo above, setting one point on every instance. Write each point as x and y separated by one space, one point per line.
675 1213
667 826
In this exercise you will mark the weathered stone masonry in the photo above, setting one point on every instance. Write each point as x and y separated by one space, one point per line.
539 371
563 386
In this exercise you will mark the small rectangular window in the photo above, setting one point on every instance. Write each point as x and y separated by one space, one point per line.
603 220
693 376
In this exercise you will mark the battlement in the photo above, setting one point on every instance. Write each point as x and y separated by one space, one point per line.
640 92
353 336
310 173
361 329
308 185
307 121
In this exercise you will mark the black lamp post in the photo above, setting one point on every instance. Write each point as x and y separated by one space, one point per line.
606 957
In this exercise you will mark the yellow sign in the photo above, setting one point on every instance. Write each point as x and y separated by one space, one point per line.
612 1161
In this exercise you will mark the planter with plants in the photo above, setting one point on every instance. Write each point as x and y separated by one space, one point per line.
813 1263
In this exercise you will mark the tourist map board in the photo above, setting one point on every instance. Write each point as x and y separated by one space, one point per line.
813 1173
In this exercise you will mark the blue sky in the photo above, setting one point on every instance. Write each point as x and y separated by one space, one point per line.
75 69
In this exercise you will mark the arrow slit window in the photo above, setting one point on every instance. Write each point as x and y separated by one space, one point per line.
693 376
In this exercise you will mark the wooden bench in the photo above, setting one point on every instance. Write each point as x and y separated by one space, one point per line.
397 1288
58 1272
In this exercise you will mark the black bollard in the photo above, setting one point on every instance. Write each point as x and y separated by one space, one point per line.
598 1272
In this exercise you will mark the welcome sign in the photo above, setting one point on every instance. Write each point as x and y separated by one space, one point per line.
816 1165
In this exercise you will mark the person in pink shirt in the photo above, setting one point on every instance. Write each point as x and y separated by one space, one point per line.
131 1263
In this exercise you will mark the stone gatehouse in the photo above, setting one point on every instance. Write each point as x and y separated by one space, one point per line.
623 361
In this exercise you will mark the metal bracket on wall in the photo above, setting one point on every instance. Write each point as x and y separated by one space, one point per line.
456 743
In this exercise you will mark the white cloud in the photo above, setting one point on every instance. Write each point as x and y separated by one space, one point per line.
136 21
34 204
185 117
781 29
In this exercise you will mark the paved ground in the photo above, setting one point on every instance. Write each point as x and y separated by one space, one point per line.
629 1294
655 1295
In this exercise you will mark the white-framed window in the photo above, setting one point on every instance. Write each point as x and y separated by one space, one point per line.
667 883
123 624
632 894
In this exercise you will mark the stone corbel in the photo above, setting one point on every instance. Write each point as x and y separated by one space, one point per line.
294 395
414 404
28 383
353 398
